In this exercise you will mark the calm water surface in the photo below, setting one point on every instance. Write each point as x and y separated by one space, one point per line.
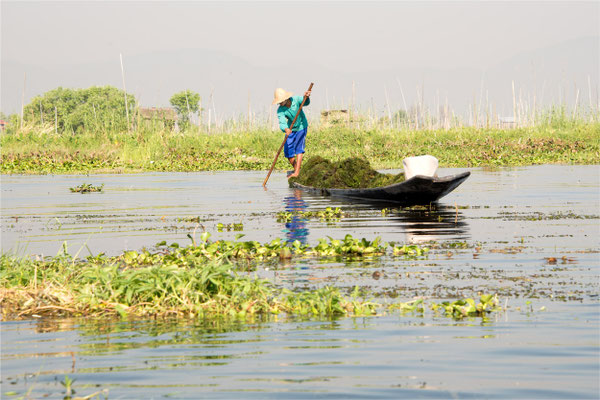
546 345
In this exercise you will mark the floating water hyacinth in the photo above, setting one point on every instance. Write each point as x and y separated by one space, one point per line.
328 214
197 280
239 226
86 188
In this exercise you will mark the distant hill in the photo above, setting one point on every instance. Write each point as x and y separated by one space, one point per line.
153 77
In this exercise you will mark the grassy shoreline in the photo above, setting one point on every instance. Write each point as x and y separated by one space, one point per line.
145 151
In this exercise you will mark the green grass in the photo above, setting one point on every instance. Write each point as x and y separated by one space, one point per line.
34 150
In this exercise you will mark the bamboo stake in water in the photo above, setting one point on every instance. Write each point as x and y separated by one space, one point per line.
479 112
209 119
576 101
249 112
374 122
353 108
423 101
514 104
475 111
487 109
187 103
199 113
437 108
520 107
23 98
590 96
270 119
125 90
387 103
210 100
418 110
446 116
403 99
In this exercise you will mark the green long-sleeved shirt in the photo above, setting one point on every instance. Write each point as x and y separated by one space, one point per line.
286 115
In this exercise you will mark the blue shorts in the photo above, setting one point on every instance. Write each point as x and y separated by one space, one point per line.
295 143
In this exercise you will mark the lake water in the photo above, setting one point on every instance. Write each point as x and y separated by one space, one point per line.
497 233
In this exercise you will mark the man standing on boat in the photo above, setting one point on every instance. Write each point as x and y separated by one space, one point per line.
296 135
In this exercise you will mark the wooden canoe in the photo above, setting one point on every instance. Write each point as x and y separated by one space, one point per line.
415 191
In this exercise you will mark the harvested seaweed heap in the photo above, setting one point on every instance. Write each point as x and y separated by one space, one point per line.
351 173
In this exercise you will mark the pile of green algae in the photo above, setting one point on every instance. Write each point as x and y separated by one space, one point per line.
351 173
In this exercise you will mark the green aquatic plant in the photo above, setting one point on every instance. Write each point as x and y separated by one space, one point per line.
239 226
326 301
468 307
416 305
179 281
206 278
349 246
189 219
410 251
68 384
352 172
226 250
327 215
86 188
178 284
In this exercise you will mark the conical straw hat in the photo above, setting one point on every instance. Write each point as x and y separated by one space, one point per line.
281 95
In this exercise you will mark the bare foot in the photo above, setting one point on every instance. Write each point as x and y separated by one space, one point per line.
294 175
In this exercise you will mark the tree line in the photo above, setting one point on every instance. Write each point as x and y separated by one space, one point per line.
96 108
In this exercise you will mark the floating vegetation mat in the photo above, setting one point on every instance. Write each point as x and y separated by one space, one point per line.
327 215
86 188
351 173
198 280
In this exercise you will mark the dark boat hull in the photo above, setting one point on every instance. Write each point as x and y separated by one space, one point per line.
414 191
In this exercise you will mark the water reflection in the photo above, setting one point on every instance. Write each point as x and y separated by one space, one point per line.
433 223
296 229
420 224
413 356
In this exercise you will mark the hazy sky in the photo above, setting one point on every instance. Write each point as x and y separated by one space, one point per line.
341 36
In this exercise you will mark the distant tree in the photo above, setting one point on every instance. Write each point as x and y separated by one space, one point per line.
186 103
400 116
94 108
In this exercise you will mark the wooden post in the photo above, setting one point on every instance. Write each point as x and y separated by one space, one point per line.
125 90
387 103
199 113
249 112
23 99
514 104
187 104
352 108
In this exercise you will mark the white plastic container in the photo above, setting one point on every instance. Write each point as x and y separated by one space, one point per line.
420 165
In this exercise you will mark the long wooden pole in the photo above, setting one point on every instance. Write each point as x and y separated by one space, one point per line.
286 136
23 100
124 90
